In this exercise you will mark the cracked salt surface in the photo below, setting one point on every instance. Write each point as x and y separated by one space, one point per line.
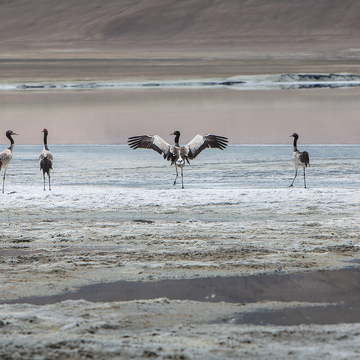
243 220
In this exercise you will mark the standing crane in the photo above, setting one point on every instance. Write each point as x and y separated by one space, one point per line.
6 155
178 154
46 159
301 158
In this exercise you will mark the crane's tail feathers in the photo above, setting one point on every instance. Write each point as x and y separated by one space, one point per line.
304 158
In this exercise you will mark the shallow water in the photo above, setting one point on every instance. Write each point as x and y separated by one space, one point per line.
316 287
339 290
343 313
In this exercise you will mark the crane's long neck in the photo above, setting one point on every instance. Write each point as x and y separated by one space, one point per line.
295 144
11 148
45 141
177 137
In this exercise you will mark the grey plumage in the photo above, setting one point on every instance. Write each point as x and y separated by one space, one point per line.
6 155
301 158
46 159
177 154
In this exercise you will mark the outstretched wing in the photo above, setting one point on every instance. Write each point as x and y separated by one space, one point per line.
154 142
304 158
201 142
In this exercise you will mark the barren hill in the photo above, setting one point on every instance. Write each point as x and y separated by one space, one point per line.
321 25
161 39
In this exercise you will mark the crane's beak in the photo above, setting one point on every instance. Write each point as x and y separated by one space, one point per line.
291 136
14 133
172 134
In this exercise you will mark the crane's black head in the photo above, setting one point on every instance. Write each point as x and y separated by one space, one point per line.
45 131
176 133
10 132
295 135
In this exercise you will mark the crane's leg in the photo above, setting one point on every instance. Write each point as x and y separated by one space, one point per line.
182 178
304 179
3 189
49 182
44 181
177 174
294 177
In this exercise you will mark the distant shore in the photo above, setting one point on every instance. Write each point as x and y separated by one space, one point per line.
259 82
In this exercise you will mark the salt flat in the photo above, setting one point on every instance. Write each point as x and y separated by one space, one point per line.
122 219
226 222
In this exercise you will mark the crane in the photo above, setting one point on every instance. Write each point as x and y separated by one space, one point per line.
6 155
46 159
177 154
301 158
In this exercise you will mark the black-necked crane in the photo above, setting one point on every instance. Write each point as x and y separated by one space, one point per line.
178 154
301 158
6 155
46 159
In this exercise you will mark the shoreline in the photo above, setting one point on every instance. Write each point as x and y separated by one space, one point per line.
246 83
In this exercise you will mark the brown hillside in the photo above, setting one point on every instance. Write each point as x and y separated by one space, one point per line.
160 39
330 24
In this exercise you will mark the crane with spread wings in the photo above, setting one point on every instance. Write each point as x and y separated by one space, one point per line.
177 154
